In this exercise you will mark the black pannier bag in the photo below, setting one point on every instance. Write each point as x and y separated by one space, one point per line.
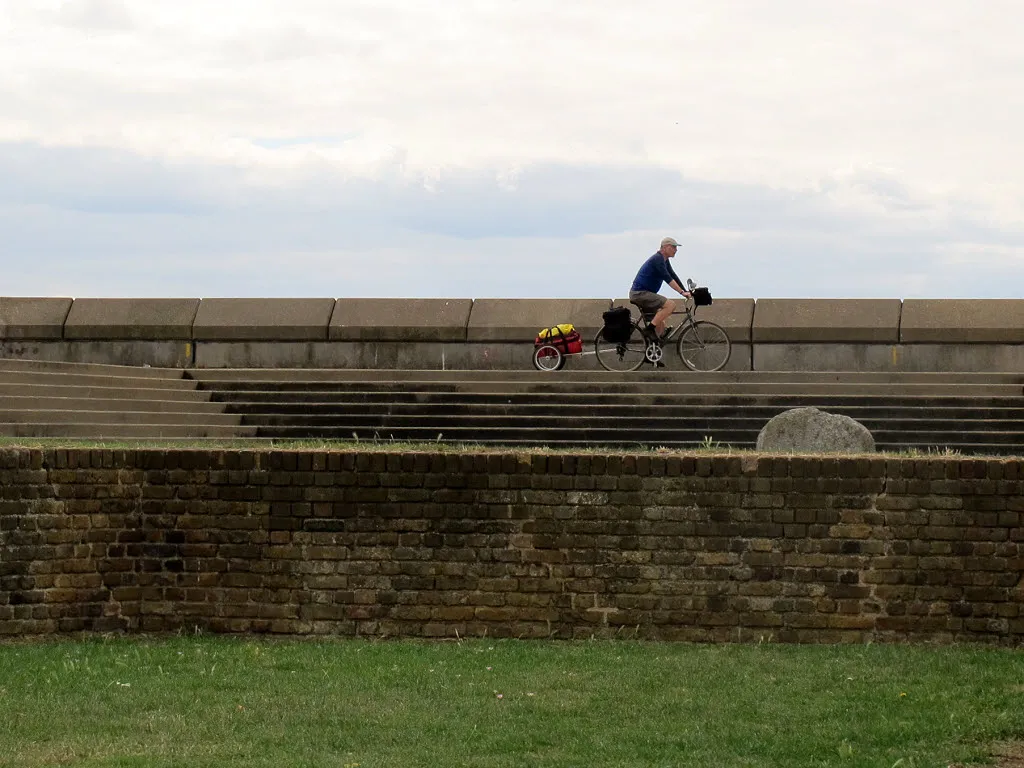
618 325
701 297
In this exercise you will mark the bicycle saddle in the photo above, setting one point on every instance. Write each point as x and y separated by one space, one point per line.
647 316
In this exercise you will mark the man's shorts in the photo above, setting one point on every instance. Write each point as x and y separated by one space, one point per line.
648 302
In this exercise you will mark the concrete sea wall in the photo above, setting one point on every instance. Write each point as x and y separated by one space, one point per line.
453 334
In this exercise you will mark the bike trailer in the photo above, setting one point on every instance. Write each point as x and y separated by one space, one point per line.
563 337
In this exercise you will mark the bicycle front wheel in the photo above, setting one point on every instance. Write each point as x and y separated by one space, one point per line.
620 355
705 346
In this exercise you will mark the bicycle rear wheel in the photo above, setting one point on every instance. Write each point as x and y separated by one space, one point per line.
620 355
705 346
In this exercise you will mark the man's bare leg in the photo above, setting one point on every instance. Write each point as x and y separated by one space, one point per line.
663 314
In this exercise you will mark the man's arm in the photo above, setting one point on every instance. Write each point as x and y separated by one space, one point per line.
675 286
674 282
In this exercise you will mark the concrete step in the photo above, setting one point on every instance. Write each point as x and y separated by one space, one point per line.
112 392
18 365
124 431
108 402
526 434
1006 442
965 412
374 377
753 408
551 424
24 378
968 412
704 421
29 402
625 402
289 403
268 389
36 415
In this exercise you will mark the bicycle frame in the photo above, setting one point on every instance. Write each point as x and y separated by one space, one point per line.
641 323
703 345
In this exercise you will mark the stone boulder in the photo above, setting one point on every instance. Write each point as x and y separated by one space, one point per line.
809 430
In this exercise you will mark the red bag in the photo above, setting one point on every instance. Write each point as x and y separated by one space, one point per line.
565 338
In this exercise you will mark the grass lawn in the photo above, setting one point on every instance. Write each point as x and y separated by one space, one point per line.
216 701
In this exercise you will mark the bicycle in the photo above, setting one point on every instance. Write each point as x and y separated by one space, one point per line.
702 344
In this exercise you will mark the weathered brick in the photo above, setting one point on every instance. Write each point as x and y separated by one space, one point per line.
728 546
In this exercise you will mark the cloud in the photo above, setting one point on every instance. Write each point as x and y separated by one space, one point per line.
245 146
744 93
93 222
93 15
544 200
103 180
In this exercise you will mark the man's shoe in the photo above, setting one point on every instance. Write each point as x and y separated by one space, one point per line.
659 364
664 337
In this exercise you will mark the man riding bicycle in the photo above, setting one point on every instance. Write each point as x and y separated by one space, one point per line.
644 291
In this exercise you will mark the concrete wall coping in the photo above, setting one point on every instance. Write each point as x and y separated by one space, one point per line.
963 321
33 318
805 321
263 319
827 320
150 319
520 319
413 320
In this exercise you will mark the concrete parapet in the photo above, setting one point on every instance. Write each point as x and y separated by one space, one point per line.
832 356
33 318
981 358
827 320
923 357
735 315
149 319
263 319
488 334
520 319
415 320
951 321
140 352
382 355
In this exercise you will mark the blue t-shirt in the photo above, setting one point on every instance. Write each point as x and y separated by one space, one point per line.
655 271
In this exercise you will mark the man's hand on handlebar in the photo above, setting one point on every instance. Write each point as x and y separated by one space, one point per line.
691 285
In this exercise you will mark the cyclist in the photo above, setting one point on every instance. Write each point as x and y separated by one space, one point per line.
644 291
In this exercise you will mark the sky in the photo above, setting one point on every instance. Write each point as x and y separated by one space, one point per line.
511 148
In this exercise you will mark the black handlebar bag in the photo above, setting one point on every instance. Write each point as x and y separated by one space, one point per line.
701 297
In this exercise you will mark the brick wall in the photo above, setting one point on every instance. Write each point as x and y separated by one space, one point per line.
730 548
